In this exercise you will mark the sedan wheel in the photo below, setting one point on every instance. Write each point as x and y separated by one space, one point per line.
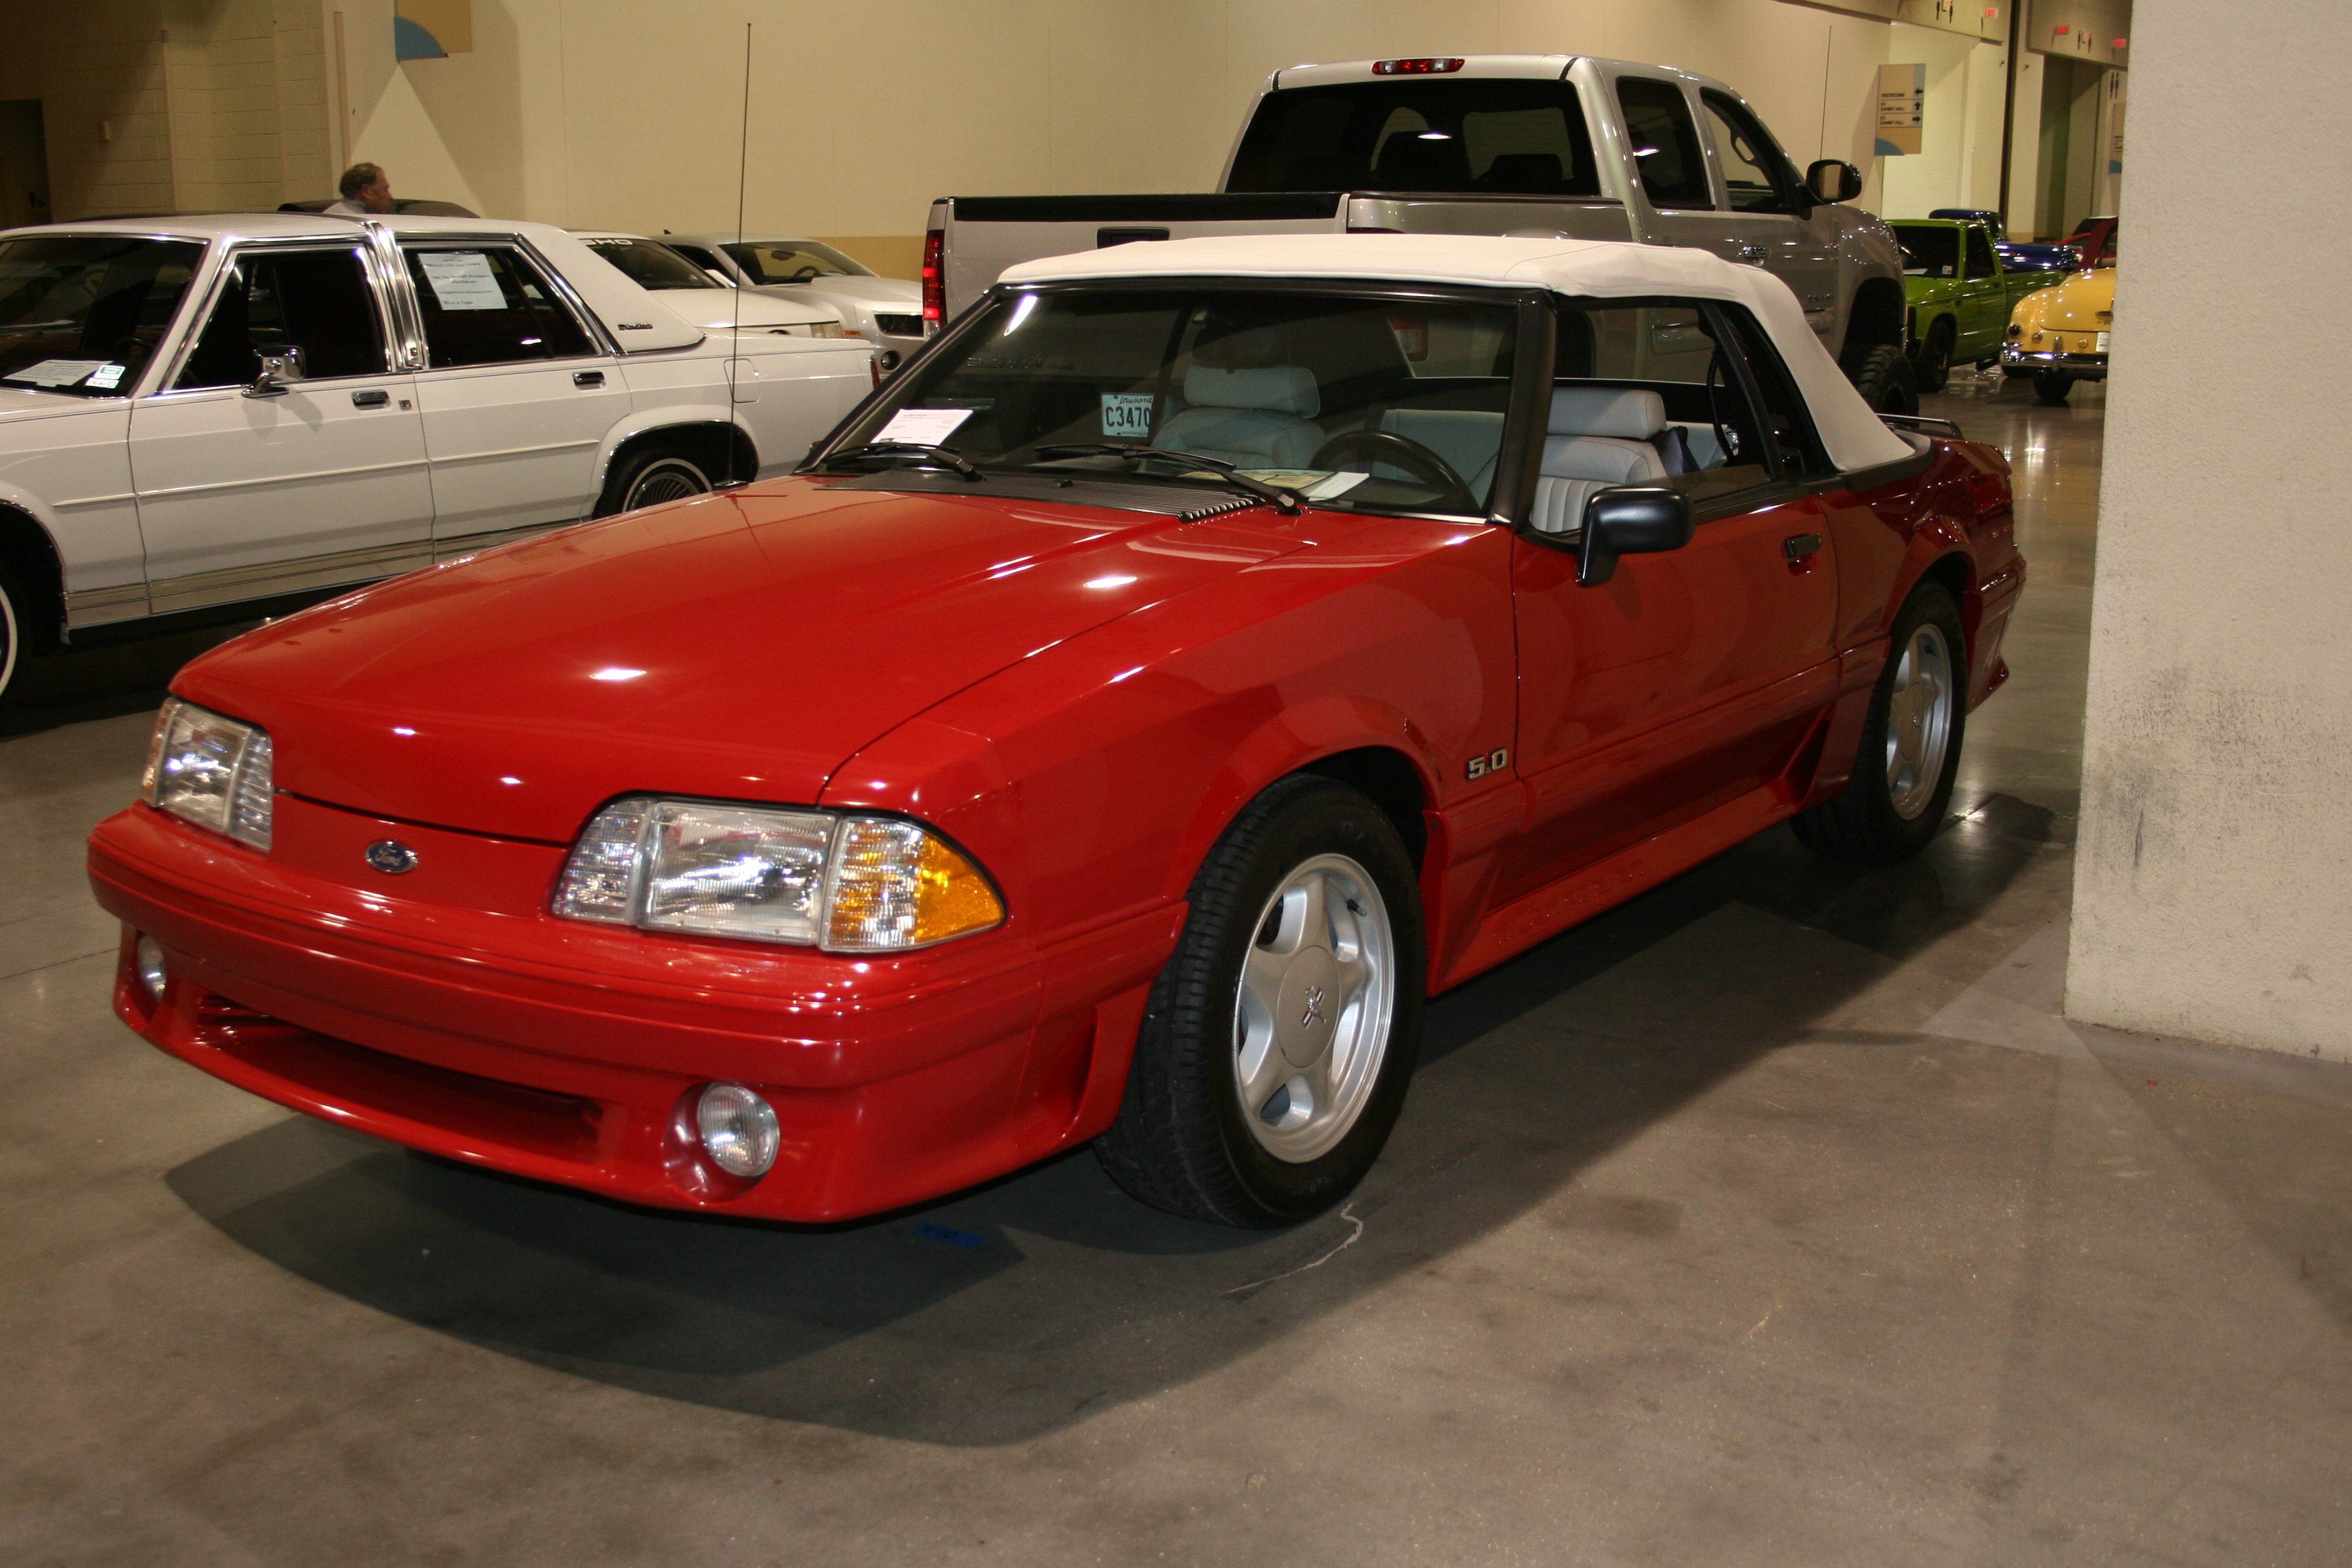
1278 1043
667 479
1311 1023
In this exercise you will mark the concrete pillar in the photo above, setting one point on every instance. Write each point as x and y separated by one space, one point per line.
2213 888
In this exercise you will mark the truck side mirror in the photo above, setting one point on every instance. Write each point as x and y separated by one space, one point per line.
1831 181
281 366
1630 520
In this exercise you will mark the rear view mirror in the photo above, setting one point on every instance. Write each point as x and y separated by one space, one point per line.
1630 520
1831 181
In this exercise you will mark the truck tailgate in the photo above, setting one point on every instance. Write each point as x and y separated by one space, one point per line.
985 235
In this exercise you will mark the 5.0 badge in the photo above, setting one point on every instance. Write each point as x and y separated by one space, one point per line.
1493 761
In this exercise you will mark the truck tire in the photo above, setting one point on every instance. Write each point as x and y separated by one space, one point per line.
1935 366
1882 373
1278 1043
1895 799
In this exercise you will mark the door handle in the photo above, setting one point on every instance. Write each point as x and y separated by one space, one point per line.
1797 546
587 378
373 398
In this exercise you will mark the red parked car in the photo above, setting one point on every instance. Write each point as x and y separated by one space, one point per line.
1200 653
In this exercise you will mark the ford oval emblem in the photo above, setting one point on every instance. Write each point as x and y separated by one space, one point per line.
392 858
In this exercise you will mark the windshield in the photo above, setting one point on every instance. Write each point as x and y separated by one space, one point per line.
1519 138
1363 403
652 265
793 261
80 313
1930 250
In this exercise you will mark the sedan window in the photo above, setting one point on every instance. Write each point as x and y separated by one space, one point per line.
793 261
652 265
80 313
488 304
316 303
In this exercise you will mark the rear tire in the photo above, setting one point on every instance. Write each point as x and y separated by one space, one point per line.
650 476
1278 1043
1901 786
1882 373
14 602
2050 391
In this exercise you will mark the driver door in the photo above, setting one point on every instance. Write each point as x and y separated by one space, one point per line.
1692 675
319 483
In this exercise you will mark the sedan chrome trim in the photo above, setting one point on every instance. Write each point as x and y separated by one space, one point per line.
91 500
270 577
95 607
300 479
516 452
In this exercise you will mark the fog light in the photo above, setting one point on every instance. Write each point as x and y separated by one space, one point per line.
738 1128
149 956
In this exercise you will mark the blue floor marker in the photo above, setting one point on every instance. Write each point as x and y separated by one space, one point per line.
931 1231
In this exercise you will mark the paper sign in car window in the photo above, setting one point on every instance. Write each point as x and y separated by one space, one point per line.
1126 414
57 372
107 377
923 426
462 279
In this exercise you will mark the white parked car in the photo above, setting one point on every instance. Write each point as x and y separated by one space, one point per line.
222 410
702 299
886 311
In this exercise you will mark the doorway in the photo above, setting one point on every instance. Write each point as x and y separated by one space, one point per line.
24 163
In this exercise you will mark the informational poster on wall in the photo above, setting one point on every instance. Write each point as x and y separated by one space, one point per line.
1902 106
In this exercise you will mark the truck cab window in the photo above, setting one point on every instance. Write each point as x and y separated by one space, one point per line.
1664 143
1980 258
1519 137
317 302
488 304
1756 175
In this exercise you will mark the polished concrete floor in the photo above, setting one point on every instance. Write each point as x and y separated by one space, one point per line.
1774 1218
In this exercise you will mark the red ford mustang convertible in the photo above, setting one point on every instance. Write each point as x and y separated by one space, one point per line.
1200 654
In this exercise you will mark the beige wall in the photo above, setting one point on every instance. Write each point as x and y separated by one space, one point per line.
2213 888
1958 161
614 113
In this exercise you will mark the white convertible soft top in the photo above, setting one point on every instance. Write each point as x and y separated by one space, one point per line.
1588 267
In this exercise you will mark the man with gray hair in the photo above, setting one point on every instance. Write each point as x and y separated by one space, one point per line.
365 190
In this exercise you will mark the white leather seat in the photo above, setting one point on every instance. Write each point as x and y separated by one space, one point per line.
1261 418
1597 436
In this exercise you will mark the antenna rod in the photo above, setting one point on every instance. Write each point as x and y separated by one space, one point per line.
738 363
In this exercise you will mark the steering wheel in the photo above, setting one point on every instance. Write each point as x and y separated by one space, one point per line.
1406 453
804 274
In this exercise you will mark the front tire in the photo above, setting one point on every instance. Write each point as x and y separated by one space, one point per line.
1278 1043
1882 373
652 477
1904 771
2050 391
1935 367
13 604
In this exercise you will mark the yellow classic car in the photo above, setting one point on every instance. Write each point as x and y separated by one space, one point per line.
2059 335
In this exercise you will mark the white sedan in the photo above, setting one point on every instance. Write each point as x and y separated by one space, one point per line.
227 410
686 289
886 311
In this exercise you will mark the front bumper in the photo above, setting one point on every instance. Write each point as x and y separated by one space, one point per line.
2080 367
450 1013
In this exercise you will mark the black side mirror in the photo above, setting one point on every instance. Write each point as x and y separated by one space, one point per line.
1630 520
1831 181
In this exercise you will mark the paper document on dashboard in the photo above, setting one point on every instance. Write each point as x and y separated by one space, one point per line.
57 372
922 427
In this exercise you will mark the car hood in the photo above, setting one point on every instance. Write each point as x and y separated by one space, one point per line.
740 645
716 310
2075 305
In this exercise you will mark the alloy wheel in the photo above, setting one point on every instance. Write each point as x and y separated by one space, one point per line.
1316 1008
1919 710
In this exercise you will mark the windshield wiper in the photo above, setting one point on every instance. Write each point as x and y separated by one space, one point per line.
1289 502
946 456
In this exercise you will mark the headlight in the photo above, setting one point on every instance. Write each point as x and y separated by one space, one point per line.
812 878
211 771
827 329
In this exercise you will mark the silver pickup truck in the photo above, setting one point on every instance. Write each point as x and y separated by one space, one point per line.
1510 144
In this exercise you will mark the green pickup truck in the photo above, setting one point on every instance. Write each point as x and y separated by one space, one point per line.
1959 297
